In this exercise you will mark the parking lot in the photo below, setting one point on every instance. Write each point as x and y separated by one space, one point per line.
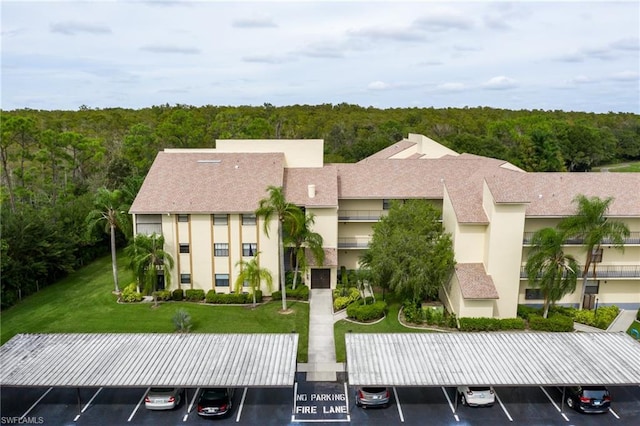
319 403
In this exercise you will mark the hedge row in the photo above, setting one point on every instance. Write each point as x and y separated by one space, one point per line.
553 323
361 312
491 324
300 293
232 298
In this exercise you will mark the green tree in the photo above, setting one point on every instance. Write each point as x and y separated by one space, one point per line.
275 205
299 236
417 255
252 274
591 224
549 268
110 211
147 258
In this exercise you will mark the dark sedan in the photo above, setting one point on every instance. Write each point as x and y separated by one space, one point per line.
213 402
588 399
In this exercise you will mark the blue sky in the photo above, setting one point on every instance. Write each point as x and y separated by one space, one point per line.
572 55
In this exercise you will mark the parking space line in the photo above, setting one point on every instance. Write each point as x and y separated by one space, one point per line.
295 401
135 410
87 405
36 403
554 403
244 395
453 409
502 405
395 394
614 413
193 400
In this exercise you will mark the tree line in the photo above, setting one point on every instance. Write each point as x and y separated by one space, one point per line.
54 162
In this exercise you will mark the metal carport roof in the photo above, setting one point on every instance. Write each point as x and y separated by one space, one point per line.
500 358
141 360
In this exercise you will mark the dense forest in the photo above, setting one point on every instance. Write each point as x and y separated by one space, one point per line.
54 162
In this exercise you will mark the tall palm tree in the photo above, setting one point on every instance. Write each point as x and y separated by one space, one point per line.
276 205
147 257
300 237
591 225
549 268
252 274
111 211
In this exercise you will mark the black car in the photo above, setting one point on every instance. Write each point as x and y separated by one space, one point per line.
588 399
214 402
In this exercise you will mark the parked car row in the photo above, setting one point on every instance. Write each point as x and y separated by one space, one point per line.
584 399
212 402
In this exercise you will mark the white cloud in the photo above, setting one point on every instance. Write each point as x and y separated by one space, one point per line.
171 49
451 87
499 83
626 76
74 28
378 85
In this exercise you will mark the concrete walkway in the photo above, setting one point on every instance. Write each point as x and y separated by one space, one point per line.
623 321
322 365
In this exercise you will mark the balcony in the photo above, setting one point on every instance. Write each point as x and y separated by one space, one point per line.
354 242
604 271
360 215
632 239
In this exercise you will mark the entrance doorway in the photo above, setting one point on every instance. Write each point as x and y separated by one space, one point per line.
320 278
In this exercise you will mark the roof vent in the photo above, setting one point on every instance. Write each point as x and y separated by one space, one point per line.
311 189
209 161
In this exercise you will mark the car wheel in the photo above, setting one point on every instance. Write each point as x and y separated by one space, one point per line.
570 402
463 400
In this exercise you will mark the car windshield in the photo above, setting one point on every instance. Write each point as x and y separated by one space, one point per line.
374 390
160 390
595 393
214 394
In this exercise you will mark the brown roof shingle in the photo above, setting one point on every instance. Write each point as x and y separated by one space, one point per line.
325 179
208 182
474 282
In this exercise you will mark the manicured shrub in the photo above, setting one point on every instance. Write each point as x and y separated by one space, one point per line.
601 319
130 294
491 324
556 322
163 295
228 298
412 313
177 295
276 295
258 297
364 313
525 311
341 302
194 295
638 315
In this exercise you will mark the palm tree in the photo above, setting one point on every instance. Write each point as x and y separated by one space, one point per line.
110 210
252 274
276 205
549 268
300 237
593 227
146 258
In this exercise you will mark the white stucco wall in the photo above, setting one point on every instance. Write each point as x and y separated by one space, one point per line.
297 152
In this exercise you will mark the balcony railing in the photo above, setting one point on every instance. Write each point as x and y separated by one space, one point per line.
604 271
633 238
361 215
354 242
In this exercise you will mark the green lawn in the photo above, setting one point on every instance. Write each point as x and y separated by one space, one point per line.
84 303
634 326
389 324
623 167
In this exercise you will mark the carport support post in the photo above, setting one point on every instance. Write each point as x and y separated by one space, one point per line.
79 401
562 402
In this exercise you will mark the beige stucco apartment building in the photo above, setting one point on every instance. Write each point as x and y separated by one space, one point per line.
202 201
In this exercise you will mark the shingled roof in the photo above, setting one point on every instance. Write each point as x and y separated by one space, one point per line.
208 182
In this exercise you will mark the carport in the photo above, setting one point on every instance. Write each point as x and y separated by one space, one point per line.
495 359
147 359
498 359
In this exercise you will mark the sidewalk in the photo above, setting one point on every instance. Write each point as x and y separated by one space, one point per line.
623 321
322 365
